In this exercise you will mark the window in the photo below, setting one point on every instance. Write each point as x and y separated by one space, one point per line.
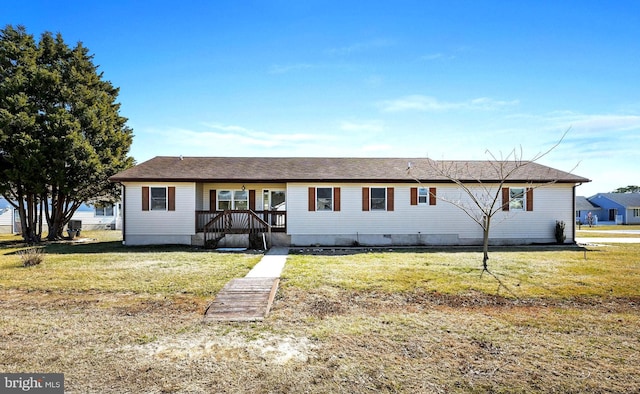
240 199
158 198
423 195
104 210
516 199
378 198
636 212
324 199
236 199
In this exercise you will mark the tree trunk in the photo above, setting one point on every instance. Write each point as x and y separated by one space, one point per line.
485 242
27 210
55 217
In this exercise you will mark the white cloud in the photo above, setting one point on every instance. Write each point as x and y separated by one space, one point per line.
261 136
437 57
427 103
360 47
286 68
600 123
372 126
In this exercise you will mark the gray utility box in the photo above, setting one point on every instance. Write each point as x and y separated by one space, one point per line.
74 227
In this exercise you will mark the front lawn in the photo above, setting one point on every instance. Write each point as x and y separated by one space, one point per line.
116 319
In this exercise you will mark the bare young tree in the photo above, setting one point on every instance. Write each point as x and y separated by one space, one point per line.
483 186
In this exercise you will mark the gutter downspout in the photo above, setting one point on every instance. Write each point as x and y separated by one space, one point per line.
124 215
573 215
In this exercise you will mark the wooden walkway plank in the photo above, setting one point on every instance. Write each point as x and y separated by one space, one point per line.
250 298
243 299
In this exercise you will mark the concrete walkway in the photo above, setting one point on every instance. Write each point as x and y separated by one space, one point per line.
250 298
271 264
610 240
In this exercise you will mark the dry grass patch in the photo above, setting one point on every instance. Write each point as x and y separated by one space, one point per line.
401 322
606 231
524 272
108 266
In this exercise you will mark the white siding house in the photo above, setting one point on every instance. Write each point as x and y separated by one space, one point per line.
6 218
93 217
160 223
335 201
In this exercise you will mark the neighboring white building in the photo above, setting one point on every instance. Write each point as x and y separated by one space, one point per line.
99 217
335 202
6 217
93 217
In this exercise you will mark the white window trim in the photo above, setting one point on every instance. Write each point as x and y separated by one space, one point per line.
103 208
426 196
232 200
384 205
331 194
523 199
166 198
269 191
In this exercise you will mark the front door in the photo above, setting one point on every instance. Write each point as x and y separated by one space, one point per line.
274 200
612 215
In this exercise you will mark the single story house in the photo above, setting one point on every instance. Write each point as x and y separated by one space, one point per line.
584 207
6 217
227 201
99 216
92 216
621 208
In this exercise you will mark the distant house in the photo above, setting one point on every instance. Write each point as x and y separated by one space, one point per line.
584 207
92 216
98 216
333 201
621 208
6 217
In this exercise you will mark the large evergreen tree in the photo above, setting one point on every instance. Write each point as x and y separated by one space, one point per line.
61 135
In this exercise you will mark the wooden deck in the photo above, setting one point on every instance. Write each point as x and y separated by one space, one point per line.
243 299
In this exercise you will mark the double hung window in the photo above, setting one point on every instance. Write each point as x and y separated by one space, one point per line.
378 198
423 195
516 199
324 199
158 198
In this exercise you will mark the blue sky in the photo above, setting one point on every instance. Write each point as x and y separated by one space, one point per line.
446 79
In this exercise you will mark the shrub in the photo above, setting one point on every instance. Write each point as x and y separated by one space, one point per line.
31 257
559 232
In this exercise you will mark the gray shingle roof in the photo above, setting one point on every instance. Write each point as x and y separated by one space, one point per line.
628 200
292 169
583 204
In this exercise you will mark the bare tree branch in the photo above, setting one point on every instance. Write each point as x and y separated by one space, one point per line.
483 190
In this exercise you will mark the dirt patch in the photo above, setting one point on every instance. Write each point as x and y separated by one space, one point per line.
271 348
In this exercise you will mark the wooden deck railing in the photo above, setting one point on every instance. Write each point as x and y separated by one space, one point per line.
216 225
276 219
